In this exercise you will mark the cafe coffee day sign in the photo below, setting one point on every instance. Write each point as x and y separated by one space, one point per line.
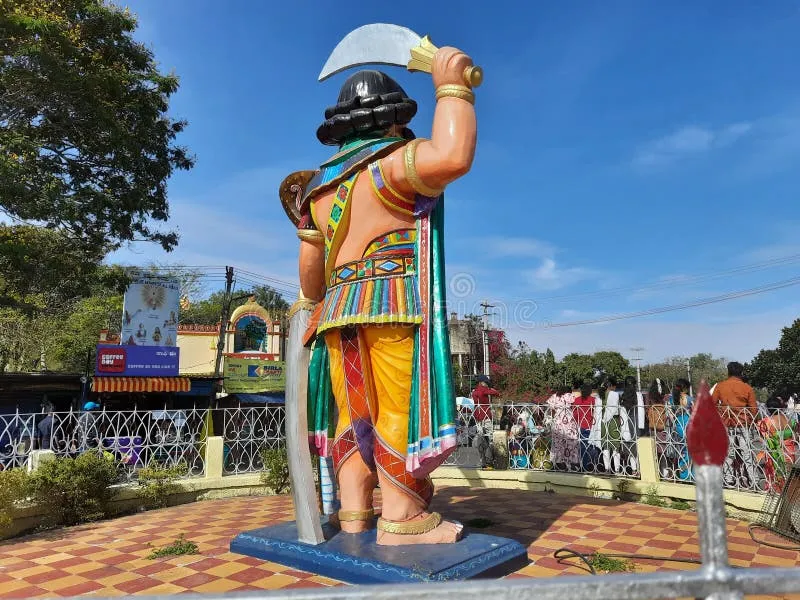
150 312
253 375
141 361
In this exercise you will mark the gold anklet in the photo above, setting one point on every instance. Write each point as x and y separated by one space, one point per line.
429 523
356 515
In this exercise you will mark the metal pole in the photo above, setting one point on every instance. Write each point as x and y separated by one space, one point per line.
638 360
486 306
223 331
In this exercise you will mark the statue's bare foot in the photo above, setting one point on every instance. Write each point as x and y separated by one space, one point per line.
405 533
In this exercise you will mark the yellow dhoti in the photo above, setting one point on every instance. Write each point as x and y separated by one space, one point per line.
371 374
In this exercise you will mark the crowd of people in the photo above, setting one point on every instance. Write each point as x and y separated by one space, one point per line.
589 429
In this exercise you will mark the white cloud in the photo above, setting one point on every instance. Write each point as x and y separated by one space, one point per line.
519 247
549 276
688 141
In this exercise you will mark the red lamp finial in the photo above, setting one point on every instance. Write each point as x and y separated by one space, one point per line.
706 436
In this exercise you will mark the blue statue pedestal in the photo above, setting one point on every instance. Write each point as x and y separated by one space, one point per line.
356 558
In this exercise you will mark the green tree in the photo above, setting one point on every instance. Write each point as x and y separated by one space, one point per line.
705 366
43 279
779 369
578 368
86 144
209 310
42 269
76 337
608 363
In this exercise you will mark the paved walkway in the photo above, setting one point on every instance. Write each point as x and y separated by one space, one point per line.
109 558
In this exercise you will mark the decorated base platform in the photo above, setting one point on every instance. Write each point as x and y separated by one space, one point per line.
356 558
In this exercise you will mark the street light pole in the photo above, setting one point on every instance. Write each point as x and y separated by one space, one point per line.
638 360
486 306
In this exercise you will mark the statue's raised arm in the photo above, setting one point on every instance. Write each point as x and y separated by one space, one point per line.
427 166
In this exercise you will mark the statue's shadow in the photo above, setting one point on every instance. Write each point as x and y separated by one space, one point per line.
521 515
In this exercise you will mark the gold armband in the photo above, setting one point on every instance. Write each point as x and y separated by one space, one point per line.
409 156
455 91
312 236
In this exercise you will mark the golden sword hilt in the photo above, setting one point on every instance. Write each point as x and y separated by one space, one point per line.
422 60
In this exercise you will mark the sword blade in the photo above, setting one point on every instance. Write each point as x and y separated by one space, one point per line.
374 44
301 475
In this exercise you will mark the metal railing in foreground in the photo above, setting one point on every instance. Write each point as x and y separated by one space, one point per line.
707 441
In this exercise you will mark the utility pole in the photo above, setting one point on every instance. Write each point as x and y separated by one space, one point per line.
638 360
486 306
689 375
223 330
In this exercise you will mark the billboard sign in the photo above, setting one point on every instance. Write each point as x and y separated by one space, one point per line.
253 375
150 312
136 361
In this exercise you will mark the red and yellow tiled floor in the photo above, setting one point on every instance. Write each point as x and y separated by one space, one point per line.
109 558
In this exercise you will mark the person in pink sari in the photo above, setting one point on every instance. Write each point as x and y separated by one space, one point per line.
564 445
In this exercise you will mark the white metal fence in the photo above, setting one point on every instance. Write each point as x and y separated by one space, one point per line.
541 437
761 447
135 439
559 437
247 432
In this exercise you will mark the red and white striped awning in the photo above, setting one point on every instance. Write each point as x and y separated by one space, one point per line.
141 384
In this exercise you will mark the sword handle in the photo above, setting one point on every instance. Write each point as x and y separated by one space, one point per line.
422 60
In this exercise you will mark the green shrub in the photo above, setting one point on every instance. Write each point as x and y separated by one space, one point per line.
276 469
179 547
606 564
157 484
680 504
623 490
74 490
13 489
652 497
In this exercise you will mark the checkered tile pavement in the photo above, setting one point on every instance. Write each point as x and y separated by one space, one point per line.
109 558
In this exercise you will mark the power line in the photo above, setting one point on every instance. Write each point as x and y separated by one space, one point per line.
713 300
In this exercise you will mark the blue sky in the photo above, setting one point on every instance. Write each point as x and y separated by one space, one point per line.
622 146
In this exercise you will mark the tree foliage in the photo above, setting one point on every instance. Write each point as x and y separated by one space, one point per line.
41 270
779 369
209 310
86 144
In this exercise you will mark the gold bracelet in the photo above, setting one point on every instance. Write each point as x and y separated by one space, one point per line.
409 156
455 91
312 236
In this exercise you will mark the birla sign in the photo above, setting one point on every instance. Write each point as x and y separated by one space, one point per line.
141 361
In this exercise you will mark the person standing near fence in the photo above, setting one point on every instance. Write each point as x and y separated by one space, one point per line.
738 407
564 433
481 395
482 414
632 413
682 402
583 413
44 430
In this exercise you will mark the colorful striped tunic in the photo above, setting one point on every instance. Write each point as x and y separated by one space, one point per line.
381 287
